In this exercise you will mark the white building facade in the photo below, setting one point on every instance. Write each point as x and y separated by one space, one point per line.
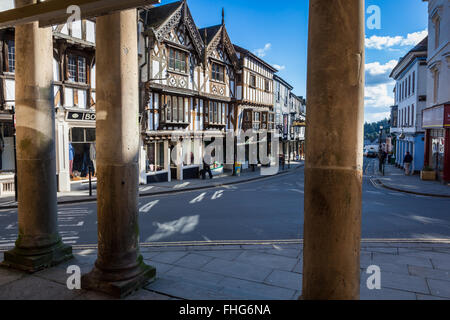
436 117
410 94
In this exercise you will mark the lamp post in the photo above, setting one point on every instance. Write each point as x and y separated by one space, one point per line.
380 152
381 135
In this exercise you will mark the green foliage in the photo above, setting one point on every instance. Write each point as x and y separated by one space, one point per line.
372 130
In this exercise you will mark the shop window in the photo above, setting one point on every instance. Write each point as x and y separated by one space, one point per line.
90 135
82 153
155 157
77 135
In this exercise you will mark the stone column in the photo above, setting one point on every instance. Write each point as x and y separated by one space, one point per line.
119 268
38 245
333 174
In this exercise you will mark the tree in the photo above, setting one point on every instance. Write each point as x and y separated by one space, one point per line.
372 130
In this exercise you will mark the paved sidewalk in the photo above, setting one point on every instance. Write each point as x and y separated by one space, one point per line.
162 187
395 179
409 271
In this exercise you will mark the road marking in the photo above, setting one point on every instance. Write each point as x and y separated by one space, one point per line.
296 190
79 224
397 194
217 195
143 189
198 199
147 207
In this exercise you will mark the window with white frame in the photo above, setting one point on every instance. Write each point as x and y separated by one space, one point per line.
177 60
217 72
437 30
76 68
11 56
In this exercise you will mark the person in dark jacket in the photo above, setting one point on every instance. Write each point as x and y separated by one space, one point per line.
407 162
382 159
206 169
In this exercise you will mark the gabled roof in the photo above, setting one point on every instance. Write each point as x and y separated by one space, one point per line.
210 33
156 16
160 20
248 53
214 36
420 49
284 82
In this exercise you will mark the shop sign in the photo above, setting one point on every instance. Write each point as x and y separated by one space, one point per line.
81 116
433 117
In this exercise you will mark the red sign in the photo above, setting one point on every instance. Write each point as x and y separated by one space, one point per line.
447 115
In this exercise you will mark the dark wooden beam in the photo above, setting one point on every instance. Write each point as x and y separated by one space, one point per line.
55 11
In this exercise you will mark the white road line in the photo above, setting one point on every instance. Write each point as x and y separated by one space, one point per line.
147 207
11 226
143 189
79 224
296 190
397 194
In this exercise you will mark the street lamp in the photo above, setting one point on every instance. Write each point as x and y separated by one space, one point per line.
381 134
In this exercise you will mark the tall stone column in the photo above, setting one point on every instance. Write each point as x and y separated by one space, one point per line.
38 245
333 174
119 268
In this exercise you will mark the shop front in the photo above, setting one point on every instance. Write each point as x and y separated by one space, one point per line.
75 149
436 121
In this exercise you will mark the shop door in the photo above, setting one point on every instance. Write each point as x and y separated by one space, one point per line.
437 155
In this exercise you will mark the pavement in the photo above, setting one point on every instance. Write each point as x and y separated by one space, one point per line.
162 188
395 179
247 271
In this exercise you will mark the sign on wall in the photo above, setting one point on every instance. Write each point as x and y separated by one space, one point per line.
81 116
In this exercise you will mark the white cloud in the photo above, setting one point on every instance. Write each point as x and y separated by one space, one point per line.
278 67
378 96
262 52
381 43
377 73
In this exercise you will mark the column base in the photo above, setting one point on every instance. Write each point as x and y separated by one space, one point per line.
32 260
98 280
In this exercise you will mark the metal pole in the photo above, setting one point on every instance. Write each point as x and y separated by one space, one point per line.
90 181
15 155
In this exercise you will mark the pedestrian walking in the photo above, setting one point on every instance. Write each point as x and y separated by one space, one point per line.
206 169
381 160
407 162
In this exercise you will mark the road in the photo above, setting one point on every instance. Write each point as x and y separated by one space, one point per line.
270 209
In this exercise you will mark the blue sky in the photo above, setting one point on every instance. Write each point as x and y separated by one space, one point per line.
278 31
